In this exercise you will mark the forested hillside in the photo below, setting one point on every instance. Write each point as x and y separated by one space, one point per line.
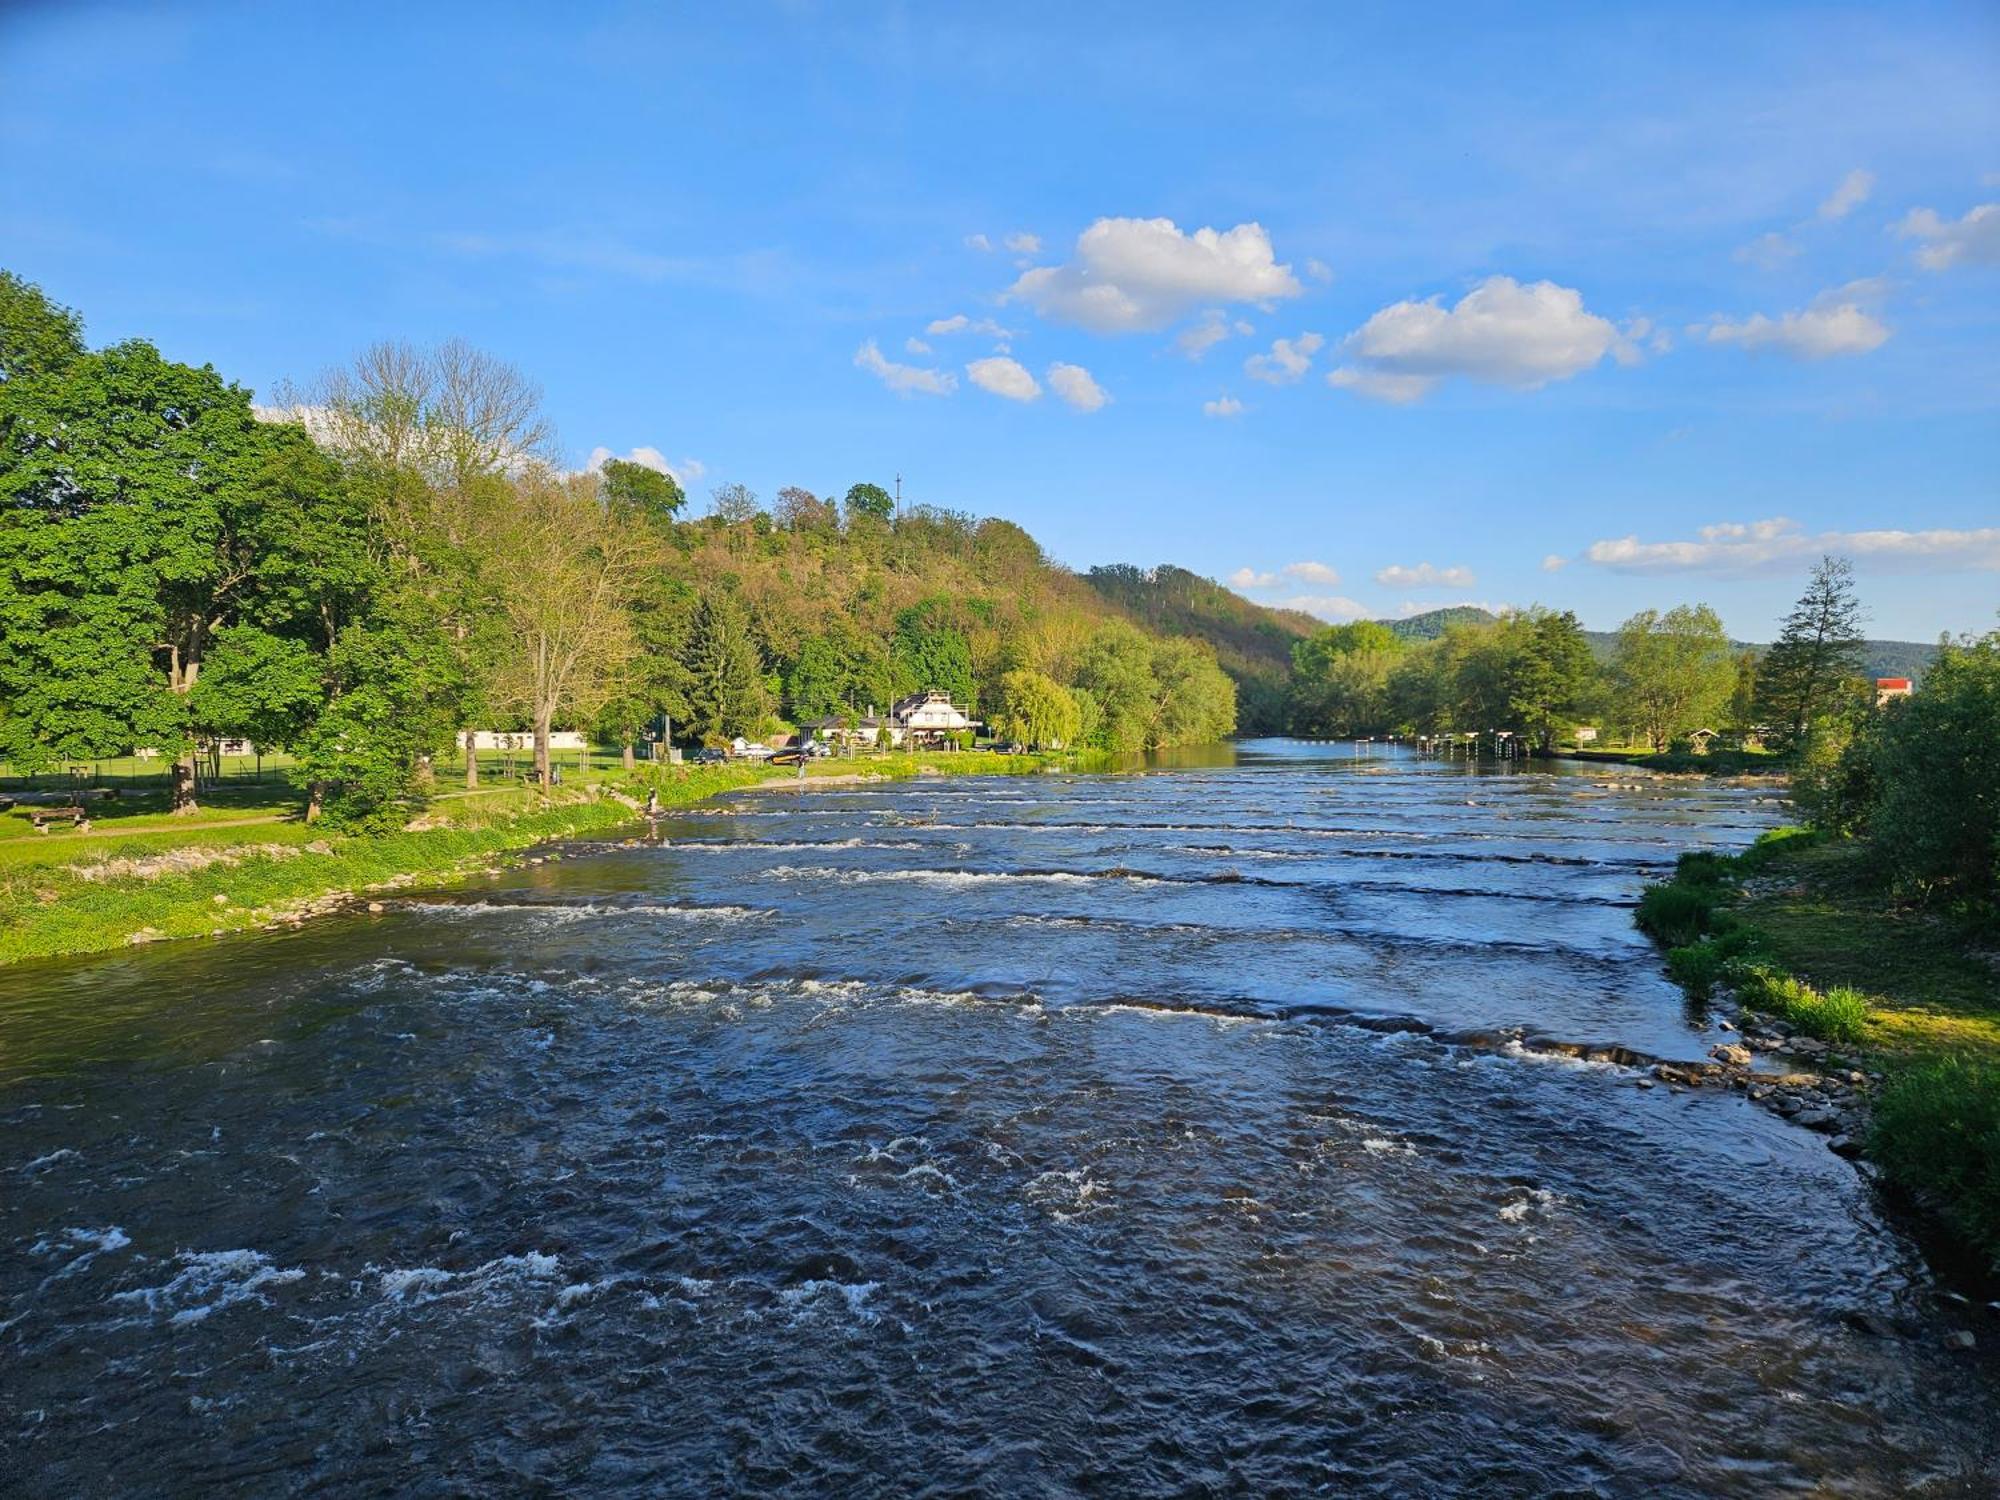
397 553
1252 642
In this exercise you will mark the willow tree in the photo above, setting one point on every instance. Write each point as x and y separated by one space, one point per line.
572 566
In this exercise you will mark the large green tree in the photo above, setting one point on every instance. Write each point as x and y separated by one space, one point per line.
131 489
1674 671
36 335
1551 672
725 691
1817 650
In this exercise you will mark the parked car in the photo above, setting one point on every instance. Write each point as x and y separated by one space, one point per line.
819 749
708 756
755 751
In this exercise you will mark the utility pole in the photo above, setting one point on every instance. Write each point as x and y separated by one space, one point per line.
899 497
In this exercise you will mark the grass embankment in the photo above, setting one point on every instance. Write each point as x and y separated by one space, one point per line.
1806 929
247 859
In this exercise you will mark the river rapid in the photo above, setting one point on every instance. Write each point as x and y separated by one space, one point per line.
1186 1132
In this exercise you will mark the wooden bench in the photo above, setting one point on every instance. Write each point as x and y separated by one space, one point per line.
79 817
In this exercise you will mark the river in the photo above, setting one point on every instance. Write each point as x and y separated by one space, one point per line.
1173 1133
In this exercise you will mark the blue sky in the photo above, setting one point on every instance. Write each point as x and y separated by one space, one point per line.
1599 307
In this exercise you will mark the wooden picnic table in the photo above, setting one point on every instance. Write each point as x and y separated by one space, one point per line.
41 817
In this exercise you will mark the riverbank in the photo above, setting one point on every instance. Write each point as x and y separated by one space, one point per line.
1895 1012
1687 762
243 867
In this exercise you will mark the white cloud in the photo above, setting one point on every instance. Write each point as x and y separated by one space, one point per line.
1555 562
1397 390
1312 572
1768 252
1003 377
1023 243
1424 576
904 380
684 472
1213 327
960 323
1250 578
1779 543
1287 362
1222 406
1319 270
1134 274
978 242
1971 241
1851 194
916 346
1074 384
1333 607
1836 323
1500 331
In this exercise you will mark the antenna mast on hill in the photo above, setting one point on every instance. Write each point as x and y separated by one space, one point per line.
899 497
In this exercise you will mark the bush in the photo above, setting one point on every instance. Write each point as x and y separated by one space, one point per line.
1837 1015
1677 913
1696 967
1937 1132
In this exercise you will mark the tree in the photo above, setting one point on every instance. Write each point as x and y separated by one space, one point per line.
842 669
128 490
37 337
870 500
638 490
931 654
801 510
1818 649
725 688
573 568
1674 670
1937 824
1036 710
1340 679
733 503
1550 674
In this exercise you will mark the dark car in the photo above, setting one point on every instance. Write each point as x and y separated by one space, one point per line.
710 757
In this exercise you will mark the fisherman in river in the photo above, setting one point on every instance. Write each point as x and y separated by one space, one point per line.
653 803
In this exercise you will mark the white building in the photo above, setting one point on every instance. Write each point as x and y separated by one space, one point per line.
523 739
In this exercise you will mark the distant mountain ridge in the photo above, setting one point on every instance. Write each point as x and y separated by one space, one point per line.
1879 658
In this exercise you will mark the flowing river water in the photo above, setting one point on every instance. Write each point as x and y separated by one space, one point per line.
1176 1133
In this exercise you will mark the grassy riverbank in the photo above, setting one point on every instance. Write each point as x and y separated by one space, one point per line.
248 859
1709 763
1803 927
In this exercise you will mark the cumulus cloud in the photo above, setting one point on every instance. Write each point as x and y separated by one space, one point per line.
1424 576
1129 275
684 472
1852 192
1023 243
916 346
1250 578
978 242
1003 377
1312 572
960 323
1555 562
1837 322
1768 252
1331 607
1500 332
904 380
1287 362
1397 390
1971 241
1076 386
1319 270
1211 329
1780 543
1222 406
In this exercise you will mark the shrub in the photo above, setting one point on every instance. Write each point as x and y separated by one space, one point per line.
1677 913
1937 1132
1696 967
1837 1015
